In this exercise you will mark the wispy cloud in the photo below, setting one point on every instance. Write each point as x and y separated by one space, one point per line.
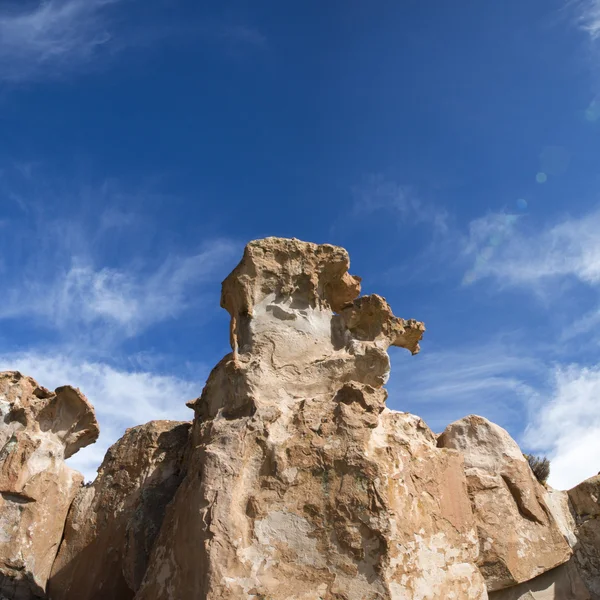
506 248
117 302
588 14
567 425
92 273
379 194
52 37
493 380
121 398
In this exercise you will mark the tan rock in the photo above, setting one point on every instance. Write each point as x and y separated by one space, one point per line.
559 505
38 430
114 521
585 497
300 484
585 500
560 583
518 536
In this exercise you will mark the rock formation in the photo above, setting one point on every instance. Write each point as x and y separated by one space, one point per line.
518 536
294 481
38 430
300 483
585 500
576 514
113 522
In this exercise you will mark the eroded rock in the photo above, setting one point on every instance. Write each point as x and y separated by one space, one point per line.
38 430
114 521
518 536
300 484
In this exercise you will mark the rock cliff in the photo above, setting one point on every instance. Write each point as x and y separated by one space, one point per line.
294 481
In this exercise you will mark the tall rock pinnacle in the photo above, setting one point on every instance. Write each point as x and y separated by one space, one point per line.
300 483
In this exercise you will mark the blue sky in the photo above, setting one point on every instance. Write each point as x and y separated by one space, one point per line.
453 149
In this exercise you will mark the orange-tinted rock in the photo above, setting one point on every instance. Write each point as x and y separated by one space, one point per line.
114 521
518 536
38 430
300 484
585 500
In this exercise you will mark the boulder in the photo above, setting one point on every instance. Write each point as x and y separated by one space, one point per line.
39 429
519 538
114 521
300 484
585 501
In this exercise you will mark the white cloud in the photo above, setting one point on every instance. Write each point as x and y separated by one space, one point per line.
589 17
507 248
117 302
122 399
45 39
567 426
51 37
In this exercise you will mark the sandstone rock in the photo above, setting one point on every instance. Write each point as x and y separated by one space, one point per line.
38 430
585 500
300 484
560 583
114 521
518 536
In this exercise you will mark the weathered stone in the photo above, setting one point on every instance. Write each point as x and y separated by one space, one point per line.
38 430
585 500
561 583
559 505
518 536
114 521
300 484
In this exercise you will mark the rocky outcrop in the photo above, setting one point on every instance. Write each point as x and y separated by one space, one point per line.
294 481
519 538
114 521
300 484
585 501
579 578
39 429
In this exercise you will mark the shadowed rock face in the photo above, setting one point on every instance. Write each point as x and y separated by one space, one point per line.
114 521
560 583
300 484
518 536
38 430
